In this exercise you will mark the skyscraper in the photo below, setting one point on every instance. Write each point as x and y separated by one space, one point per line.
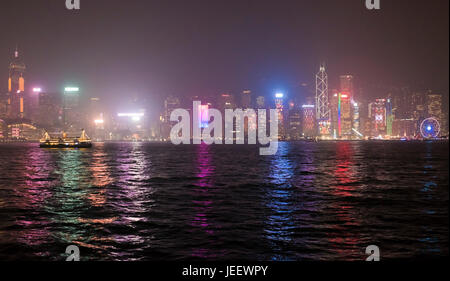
49 110
345 114
341 116
16 88
308 120
378 114
71 109
356 118
346 102
434 105
434 109
294 123
322 105
334 103
279 106
170 104
389 117
226 101
417 104
246 99
347 85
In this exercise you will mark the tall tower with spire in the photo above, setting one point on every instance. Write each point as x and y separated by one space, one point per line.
16 80
322 108
16 86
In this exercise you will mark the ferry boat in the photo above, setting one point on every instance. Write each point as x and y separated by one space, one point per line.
64 141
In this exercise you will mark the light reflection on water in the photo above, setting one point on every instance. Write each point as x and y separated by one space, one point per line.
345 242
139 201
281 222
202 202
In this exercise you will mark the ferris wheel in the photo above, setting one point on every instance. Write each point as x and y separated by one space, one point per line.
430 128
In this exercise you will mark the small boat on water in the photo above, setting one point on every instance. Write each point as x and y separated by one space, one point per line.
64 141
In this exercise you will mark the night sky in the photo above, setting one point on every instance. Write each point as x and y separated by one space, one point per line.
119 49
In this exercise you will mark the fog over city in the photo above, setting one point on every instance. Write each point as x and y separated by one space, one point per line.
204 132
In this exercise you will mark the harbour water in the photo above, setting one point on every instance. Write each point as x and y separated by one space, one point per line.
157 201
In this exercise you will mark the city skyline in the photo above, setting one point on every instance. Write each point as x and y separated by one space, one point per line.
342 112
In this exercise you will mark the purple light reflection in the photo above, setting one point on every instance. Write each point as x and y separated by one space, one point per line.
203 205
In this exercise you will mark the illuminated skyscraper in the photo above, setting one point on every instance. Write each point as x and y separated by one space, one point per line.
389 117
226 101
341 116
71 109
347 85
322 105
356 119
417 106
16 80
434 109
377 114
294 121
346 102
279 106
308 120
16 88
345 115
434 105
246 99
334 103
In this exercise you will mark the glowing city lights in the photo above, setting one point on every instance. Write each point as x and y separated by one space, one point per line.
71 89
279 95
203 115
430 128
37 90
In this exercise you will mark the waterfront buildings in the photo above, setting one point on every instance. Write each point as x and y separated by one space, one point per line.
170 103
15 107
377 115
322 105
279 106
309 119
337 114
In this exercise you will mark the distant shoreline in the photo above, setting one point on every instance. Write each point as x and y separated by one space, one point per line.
290 141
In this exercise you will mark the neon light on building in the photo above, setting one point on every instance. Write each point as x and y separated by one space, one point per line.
71 89
279 105
203 116
339 115
308 120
